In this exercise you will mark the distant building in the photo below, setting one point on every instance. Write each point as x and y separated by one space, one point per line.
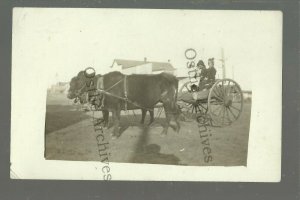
142 67
247 94
60 87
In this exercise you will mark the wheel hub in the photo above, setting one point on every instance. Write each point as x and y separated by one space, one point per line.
228 102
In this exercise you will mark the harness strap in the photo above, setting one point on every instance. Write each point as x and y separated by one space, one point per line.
129 101
100 86
100 89
114 85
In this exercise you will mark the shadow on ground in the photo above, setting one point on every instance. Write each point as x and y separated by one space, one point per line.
62 116
151 153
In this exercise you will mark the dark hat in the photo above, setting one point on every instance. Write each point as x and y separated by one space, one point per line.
200 63
211 59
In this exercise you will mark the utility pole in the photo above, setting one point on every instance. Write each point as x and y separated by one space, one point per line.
223 63
56 78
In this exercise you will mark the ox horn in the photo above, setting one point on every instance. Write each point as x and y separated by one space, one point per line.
89 75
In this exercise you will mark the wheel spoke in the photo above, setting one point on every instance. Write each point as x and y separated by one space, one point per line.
197 108
235 108
193 109
218 96
190 107
215 110
223 89
218 92
220 89
235 117
220 100
229 120
220 111
229 88
203 107
223 114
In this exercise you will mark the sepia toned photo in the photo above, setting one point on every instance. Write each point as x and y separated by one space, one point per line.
118 90
157 116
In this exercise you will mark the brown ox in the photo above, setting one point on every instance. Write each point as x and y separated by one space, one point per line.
121 92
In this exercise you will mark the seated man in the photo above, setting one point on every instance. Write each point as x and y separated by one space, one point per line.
209 76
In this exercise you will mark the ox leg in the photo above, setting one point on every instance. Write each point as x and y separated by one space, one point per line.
116 118
167 124
105 114
143 116
176 118
151 116
176 114
168 119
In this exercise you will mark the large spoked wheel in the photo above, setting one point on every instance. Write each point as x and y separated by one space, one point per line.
190 107
225 102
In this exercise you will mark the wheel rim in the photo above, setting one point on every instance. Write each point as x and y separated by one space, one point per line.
225 102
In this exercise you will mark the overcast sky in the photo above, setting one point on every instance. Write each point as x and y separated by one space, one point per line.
64 41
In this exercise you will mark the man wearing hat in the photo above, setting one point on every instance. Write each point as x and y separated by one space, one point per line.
209 75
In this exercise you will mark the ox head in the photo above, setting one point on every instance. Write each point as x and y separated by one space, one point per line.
79 84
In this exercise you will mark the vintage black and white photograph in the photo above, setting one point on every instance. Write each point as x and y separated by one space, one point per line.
152 88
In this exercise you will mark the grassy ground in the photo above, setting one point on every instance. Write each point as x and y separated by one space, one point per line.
70 136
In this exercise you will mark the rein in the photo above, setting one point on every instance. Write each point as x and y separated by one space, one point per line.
100 90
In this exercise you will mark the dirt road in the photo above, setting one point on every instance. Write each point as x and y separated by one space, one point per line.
70 136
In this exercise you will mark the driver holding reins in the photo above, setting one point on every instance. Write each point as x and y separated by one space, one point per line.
207 76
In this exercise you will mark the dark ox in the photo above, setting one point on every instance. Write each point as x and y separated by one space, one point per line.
142 91
84 99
